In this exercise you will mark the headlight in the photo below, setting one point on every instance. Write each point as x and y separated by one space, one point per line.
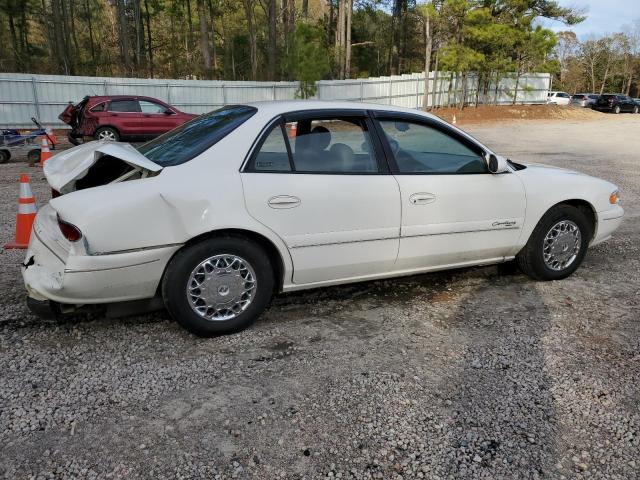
615 198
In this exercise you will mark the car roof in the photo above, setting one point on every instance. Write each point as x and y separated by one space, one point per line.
286 106
119 97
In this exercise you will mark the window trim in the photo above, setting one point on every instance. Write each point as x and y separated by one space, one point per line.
427 122
321 114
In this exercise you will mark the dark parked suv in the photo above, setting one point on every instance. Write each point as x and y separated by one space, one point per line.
616 104
120 117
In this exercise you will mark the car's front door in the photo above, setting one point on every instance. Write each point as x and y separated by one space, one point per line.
453 210
156 118
317 180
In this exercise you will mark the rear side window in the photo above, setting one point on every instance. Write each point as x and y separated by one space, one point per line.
99 108
124 106
273 155
192 138
317 145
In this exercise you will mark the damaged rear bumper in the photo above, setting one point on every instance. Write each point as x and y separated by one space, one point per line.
92 279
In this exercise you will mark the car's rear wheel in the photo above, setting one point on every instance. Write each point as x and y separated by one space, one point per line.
218 286
107 133
4 156
635 109
616 109
557 245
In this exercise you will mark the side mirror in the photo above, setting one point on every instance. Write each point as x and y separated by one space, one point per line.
497 164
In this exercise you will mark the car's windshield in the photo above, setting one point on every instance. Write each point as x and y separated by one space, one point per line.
192 138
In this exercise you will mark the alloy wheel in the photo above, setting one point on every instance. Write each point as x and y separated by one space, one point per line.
107 135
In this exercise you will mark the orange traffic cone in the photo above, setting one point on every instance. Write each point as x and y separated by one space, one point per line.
26 214
45 153
293 131
454 119
51 137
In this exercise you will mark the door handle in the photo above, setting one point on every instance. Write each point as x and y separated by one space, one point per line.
284 201
422 198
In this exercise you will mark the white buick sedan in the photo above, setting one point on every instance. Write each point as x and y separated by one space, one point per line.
216 216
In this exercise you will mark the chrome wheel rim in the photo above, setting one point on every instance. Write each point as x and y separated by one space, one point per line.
107 135
221 287
562 245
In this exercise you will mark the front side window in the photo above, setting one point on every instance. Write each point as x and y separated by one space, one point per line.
151 107
419 148
124 106
192 138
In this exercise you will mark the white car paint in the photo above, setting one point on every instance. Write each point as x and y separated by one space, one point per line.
327 229
558 98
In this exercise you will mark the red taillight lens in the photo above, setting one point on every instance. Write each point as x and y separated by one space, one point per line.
54 193
70 232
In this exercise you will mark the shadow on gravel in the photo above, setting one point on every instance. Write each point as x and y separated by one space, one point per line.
502 422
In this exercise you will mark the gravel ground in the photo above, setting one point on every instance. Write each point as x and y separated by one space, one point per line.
475 373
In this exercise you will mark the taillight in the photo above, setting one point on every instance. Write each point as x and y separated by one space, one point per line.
70 232
54 193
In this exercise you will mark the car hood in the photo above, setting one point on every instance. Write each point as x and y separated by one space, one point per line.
540 167
63 169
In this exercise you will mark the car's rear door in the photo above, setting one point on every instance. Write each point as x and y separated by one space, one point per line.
453 210
125 115
319 181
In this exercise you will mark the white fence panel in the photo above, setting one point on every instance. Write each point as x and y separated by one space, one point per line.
408 90
23 96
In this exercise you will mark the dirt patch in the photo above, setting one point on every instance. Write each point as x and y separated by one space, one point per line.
496 113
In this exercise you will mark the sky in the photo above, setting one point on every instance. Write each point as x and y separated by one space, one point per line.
603 16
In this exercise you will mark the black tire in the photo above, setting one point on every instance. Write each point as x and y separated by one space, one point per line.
4 156
531 258
111 132
73 139
178 272
33 157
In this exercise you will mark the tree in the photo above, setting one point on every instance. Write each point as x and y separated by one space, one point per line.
566 47
307 59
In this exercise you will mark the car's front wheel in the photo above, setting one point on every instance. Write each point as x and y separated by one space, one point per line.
107 133
635 109
218 285
616 109
557 245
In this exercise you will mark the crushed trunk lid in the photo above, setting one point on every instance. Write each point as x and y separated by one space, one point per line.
71 112
66 168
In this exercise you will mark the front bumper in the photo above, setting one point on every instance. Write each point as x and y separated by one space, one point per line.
93 279
608 222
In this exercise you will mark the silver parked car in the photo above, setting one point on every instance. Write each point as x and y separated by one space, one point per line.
585 100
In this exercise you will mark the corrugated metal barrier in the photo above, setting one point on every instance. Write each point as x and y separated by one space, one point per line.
23 96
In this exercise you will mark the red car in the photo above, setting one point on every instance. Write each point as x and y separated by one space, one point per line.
121 117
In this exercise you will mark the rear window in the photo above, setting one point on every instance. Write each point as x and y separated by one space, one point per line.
192 138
